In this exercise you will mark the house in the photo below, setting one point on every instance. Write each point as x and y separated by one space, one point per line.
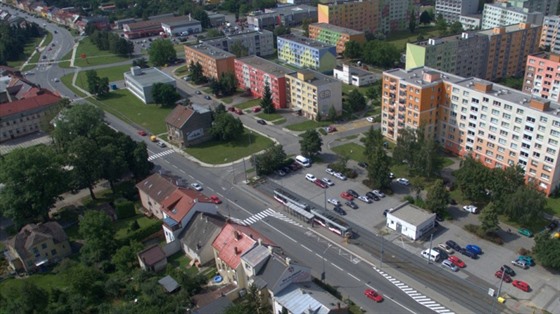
154 189
140 82
410 221
152 259
182 26
196 239
189 125
353 75
36 246
307 297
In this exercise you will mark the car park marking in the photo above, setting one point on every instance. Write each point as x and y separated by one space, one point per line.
158 155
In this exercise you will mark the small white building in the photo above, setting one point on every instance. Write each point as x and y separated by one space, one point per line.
410 221
470 22
187 26
140 82
353 76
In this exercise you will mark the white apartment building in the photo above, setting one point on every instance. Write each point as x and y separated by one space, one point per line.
550 35
546 7
504 14
471 22
452 9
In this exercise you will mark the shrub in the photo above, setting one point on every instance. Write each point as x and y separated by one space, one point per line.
141 234
409 199
523 251
490 235
134 225
124 208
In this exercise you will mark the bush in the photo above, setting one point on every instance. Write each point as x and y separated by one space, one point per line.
141 234
490 235
523 251
134 225
124 208
409 199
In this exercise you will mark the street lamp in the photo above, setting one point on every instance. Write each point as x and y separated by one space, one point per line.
325 251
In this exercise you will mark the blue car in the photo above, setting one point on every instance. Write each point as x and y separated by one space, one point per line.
474 248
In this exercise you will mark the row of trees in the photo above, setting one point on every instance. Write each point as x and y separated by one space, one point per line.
422 153
14 38
374 52
225 86
106 40
196 73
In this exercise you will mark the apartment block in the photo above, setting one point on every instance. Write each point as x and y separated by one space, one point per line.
394 15
546 7
254 73
489 54
452 9
335 35
503 14
257 42
214 61
303 52
291 15
362 15
550 37
497 125
312 93
471 22
542 76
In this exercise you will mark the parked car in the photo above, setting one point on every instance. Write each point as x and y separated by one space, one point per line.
321 184
506 277
471 209
520 264
526 232
363 164
468 253
453 245
142 133
328 181
456 261
449 265
347 196
334 201
330 171
372 196
521 285
508 270
310 177
239 112
161 144
372 294
261 121
446 248
330 129
364 199
339 210
552 225
207 97
403 181
280 172
215 199
474 248
370 119
527 259
351 204
196 186
256 109
197 92
340 176
378 193
391 175
352 192
442 253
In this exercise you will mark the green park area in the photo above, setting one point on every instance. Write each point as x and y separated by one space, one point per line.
307 125
93 56
28 50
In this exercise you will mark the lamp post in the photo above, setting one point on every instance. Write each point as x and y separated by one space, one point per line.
325 251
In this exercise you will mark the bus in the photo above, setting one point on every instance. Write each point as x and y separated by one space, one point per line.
331 222
287 199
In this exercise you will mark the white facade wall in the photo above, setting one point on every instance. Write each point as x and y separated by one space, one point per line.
344 75
452 9
495 15
470 22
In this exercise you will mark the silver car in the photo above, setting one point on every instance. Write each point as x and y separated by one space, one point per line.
449 265
340 176
364 199
520 263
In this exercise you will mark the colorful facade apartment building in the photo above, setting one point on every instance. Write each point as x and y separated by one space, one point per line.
254 73
550 36
335 35
313 93
497 125
214 61
490 54
542 76
362 15
303 52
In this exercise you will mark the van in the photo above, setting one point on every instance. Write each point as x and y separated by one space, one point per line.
303 161
431 255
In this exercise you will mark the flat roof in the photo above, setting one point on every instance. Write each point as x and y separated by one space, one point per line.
318 78
211 51
181 22
305 41
412 214
508 7
338 29
355 70
266 65
285 10
150 76
509 29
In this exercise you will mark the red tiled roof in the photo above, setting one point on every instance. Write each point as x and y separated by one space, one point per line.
181 201
26 104
179 116
233 241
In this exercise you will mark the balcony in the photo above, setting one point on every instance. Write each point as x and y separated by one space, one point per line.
402 93
402 108
392 95
392 110
402 101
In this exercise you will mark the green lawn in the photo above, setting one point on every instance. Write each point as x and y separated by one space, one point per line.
279 121
113 73
122 225
182 70
352 150
94 56
227 100
249 104
399 39
45 281
27 51
270 116
216 152
554 205
35 59
307 125
346 89
67 81
447 162
66 64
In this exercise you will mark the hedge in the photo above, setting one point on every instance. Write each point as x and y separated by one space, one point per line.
124 208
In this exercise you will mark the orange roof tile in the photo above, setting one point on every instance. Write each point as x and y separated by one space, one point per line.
181 201
234 240
26 104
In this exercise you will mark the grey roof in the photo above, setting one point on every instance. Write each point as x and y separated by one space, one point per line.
149 77
256 255
338 29
509 29
284 10
318 78
356 71
168 283
305 41
217 306
158 187
412 214
272 270
265 66
179 23
211 51
201 230
508 7
307 298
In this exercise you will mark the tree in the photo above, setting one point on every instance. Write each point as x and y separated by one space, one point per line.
161 52
412 22
305 27
196 73
200 15
165 94
380 53
92 80
405 149
125 257
379 169
141 62
310 143
215 86
77 121
425 18
547 250
441 25
428 162
331 115
228 84
374 91
103 87
373 140
504 182
139 164
352 49
266 101
525 205
455 28
252 302
272 158
213 32
84 159
33 179
96 228
489 218
226 127
473 178
356 100
281 30
113 163
437 197
238 49
24 298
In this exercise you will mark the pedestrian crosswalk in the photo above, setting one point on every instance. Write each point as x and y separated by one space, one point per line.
165 152
415 295
269 212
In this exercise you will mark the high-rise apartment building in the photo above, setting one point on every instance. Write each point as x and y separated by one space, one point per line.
542 76
362 15
335 35
497 125
214 61
303 52
452 9
257 42
503 14
546 7
550 37
394 15
489 54
313 93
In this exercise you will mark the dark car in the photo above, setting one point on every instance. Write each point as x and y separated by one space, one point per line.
295 166
452 244
363 164
468 253
439 217
372 196
353 193
552 225
442 253
287 169
261 121
351 204
339 210
508 270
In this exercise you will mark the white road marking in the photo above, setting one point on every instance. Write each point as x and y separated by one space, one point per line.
336 266
305 247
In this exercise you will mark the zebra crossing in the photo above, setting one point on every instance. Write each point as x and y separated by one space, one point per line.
165 152
269 212
415 295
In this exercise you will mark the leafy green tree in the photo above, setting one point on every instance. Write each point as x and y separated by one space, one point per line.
238 49
428 162
141 62
215 86
441 25
226 127
310 143
374 91
504 182
373 140
213 32
103 87
379 169
252 302
96 228
437 197
425 18
139 164
77 121
473 178
200 15
86 281
272 158
281 30
380 53
93 81
305 27
24 298
228 84
33 179
547 250
125 257
266 100
412 22
525 205
84 159
165 94
161 52
113 165
356 101
455 28
331 115
489 218
406 147
196 73
352 49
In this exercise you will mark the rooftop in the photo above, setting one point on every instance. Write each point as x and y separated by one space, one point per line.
411 214
265 65
181 22
235 240
155 21
211 51
338 29
181 114
305 41
256 255
152 255
507 6
150 76
284 10
317 79
181 201
43 99
158 187
307 298
356 71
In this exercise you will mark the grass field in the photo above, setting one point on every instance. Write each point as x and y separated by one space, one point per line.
249 104
27 51
113 73
67 81
215 152
399 39
352 150
45 281
270 116
182 70
346 89
66 64
307 125
122 225
554 204
94 56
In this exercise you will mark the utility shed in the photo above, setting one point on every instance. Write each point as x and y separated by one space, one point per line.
410 220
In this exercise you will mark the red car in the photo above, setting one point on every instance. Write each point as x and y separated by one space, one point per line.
238 111
215 199
347 196
372 294
456 261
521 285
320 183
499 274
256 109
142 133
232 109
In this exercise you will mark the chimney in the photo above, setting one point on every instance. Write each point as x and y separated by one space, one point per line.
260 241
540 104
236 250
236 235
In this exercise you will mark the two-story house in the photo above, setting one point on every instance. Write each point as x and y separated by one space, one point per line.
189 125
154 189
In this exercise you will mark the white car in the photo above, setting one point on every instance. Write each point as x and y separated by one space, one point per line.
340 176
330 171
370 119
56 79
403 181
196 186
378 193
471 209
333 201
364 199
328 181
310 177
391 175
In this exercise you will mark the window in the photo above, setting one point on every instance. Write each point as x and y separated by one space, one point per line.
495 112
548 159
505 124
53 252
519 111
551 151
543 119
507 107
506 116
531 119
555 133
518 120
43 246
